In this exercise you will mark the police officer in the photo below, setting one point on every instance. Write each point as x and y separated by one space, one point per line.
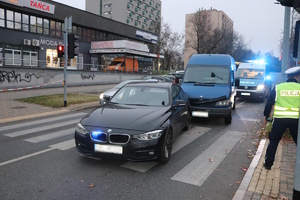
286 97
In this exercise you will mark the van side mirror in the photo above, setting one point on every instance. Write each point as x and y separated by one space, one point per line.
237 82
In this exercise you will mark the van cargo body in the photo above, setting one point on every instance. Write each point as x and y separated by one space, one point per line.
121 64
252 81
209 83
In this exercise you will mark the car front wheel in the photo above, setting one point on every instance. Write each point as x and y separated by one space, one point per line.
165 148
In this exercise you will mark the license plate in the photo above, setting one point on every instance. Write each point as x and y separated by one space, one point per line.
199 114
103 148
245 94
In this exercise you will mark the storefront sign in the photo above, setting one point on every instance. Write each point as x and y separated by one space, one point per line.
147 36
46 42
33 4
119 44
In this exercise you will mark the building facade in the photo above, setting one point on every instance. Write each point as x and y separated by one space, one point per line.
31 30
143 14
215 19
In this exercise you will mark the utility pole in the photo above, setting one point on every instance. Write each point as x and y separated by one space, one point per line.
68 26
285 46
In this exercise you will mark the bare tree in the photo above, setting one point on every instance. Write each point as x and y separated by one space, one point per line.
171 44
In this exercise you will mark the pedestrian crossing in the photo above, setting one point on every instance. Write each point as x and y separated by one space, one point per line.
195 173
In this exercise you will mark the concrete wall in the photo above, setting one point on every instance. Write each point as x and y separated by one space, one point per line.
16 77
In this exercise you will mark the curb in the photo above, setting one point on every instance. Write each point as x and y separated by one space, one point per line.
240 193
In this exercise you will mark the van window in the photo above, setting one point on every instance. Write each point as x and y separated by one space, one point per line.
250 73
113 63
207 74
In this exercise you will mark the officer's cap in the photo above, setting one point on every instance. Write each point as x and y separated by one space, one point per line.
291 72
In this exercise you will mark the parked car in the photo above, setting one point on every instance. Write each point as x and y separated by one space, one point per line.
139 123
109 93
177 74
157 77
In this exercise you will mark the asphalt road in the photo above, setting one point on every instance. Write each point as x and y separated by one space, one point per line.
39 161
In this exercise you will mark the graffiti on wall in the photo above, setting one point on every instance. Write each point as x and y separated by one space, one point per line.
12 76
87 76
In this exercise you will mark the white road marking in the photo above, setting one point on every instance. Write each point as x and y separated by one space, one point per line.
183 140
50 136
239 105
42 128
26 156
21 125
64 145
201 167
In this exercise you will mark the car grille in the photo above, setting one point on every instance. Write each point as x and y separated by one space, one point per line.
201 102
119 138
247 87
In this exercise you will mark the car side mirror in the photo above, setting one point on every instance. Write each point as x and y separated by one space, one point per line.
179 103
177 80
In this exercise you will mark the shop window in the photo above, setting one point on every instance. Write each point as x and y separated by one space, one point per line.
2 24
12 56
84 34
25 22
18 21
32 24
46 27
10 19
30 58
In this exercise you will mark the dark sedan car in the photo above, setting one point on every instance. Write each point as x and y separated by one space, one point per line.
140 122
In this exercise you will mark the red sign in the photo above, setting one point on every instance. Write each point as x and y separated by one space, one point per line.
39 5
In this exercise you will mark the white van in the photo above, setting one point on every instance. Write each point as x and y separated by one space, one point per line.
252 81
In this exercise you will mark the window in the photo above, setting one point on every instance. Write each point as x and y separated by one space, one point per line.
52 28
18 21
30 58
74 30
58 29
33 24
46 26
10 19
12 55
2 24
25 22
79 33
39 25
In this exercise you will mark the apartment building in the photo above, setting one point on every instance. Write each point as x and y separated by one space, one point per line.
216 20
142 14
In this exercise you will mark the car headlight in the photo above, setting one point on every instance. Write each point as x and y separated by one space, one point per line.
101 96
260 87
223 103
152 135
81 130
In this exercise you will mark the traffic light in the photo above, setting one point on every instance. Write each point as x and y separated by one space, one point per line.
73 45
60 51
287 3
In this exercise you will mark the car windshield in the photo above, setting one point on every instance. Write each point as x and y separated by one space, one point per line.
207 74
142 96
250 73
113 63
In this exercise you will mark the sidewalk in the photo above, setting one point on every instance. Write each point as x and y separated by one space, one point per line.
277 183
258 183
12 110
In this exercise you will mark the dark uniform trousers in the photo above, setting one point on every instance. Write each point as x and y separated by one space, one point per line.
278 128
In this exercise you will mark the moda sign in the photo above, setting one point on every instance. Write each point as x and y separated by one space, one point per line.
33 4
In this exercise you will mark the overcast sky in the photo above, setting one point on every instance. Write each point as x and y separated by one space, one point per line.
259 21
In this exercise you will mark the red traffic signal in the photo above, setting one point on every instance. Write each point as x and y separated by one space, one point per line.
60 51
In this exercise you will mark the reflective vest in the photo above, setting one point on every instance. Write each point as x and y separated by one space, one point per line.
287 100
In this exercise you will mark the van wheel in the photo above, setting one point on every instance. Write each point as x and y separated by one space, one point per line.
228 119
